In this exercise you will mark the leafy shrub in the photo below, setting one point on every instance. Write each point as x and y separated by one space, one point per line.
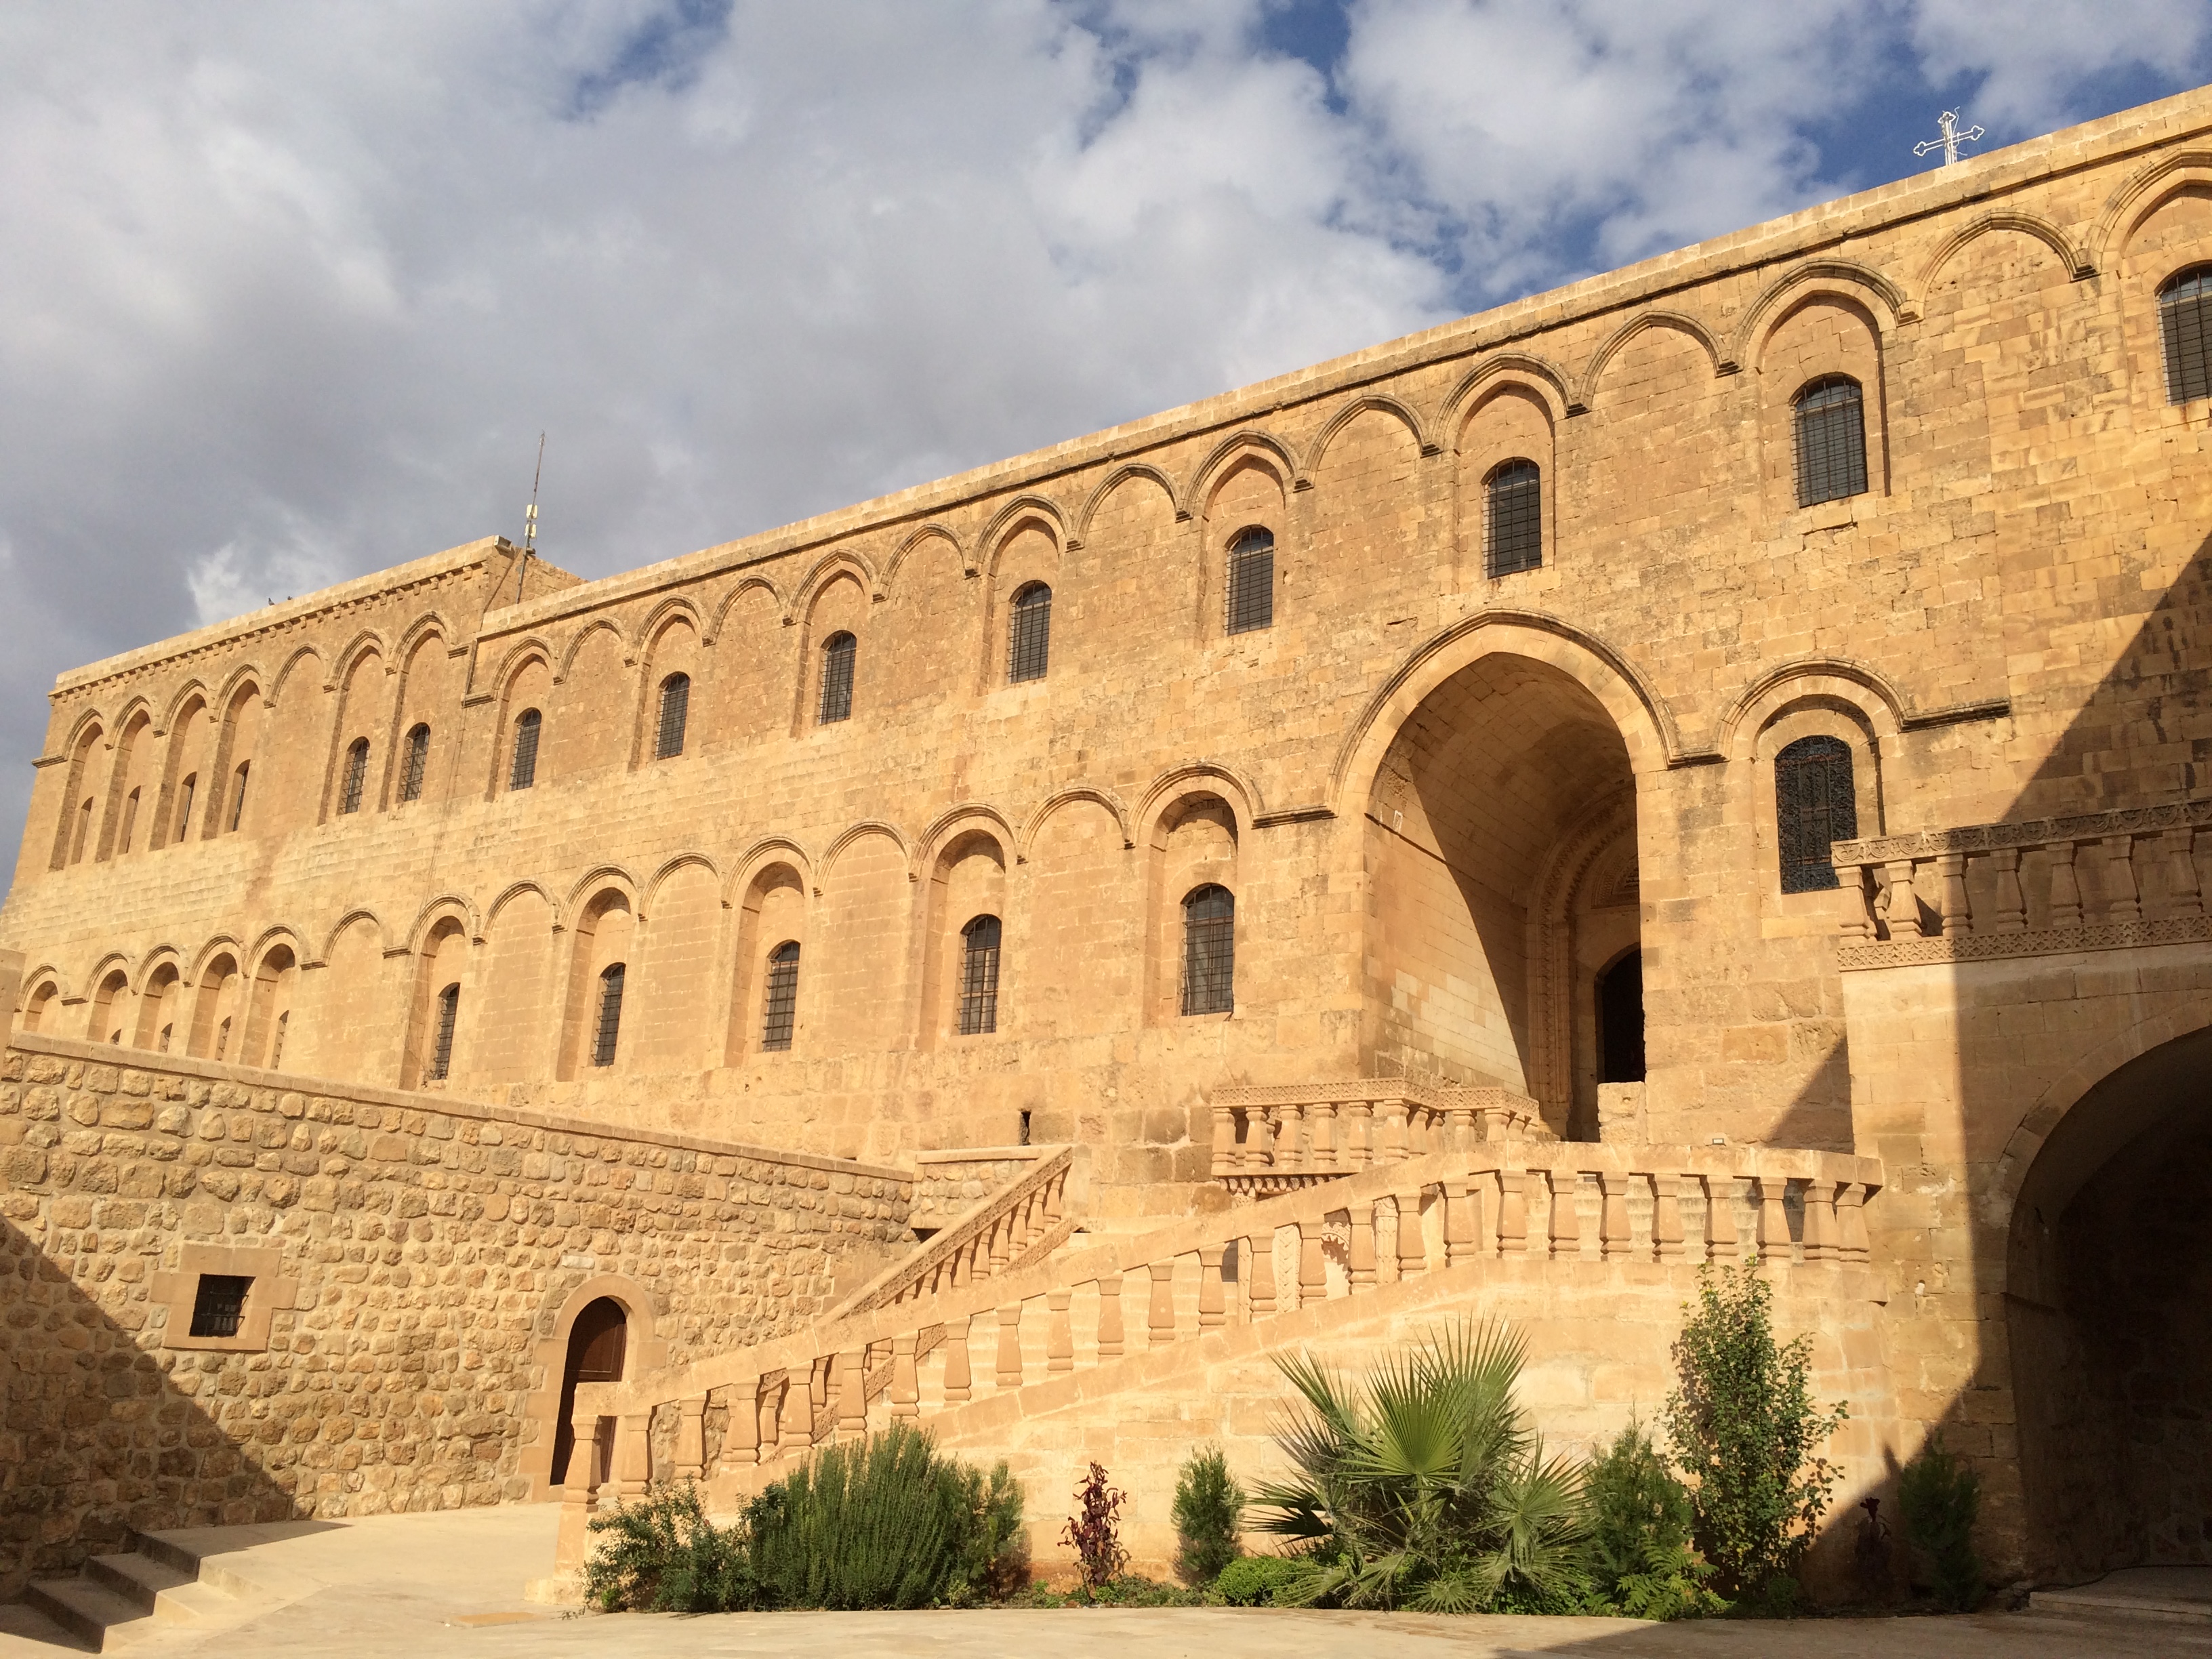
886 1521
1209 1507
1251 1581
1639 1559
1941 1498
1093 1532
1426 1488
1744 1428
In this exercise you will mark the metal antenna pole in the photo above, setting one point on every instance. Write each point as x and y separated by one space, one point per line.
530 522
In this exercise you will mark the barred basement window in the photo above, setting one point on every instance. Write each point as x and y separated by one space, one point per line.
782 1002
442 1051
979 976
1814 808
185 791
418 762
1209 950
1513 513
1830 440
674 706
609 1025
2184 325
524 772
1251 584
357 775
1029 639
238 794
219 1304
837 653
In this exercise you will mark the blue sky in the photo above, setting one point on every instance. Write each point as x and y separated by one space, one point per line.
288 293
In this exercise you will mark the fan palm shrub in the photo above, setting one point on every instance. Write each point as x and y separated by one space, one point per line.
1424 1487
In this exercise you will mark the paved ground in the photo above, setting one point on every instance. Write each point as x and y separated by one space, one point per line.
398 1587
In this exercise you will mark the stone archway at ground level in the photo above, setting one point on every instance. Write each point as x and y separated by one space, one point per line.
2108 1284
606 1321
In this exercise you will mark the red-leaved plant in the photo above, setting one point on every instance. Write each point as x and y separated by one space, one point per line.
1092 1533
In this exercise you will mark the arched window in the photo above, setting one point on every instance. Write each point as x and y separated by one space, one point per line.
222 1038
674 706
1830 440
418 763
979 976
1251 585
130 822
357 775
168 1031
524 772
185 791
441 1047
238 794
1028 635
2184 325
780 1005
1209 950
1513 517
1814 808
837 652
83 835
608 1027
276 1044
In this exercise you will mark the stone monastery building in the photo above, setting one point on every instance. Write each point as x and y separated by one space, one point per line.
1710 762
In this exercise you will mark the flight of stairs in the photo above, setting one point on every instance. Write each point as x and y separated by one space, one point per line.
163 1580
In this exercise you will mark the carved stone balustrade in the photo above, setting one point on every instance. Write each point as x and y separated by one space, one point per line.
1280 1138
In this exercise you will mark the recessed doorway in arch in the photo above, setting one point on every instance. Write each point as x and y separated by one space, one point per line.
597 1342
1620 1020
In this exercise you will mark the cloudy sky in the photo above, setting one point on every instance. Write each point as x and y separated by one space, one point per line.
288 292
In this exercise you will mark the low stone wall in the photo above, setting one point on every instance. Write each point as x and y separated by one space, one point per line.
413 1262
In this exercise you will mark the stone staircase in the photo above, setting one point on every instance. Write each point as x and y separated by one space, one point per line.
164 1580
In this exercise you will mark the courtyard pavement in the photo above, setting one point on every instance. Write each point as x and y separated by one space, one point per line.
450 1586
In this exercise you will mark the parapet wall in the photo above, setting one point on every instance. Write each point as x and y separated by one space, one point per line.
414 1265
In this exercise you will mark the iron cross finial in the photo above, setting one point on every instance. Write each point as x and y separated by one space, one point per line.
1952 139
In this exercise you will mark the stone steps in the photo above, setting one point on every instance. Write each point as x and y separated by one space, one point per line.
166 1580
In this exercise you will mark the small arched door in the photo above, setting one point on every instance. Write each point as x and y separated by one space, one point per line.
1620 1020
596 1345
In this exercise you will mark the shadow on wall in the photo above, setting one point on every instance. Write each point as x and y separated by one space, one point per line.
99 1437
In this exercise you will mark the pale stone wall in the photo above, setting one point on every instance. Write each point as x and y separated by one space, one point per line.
425 1257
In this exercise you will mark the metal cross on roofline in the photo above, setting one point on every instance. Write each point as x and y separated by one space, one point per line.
1952 139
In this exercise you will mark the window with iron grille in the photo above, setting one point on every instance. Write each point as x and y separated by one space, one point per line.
356 776
1513 516
185 792
781 1003
675 705
1814 808
441 1047
1029 633
1209 950
1251 581
608 1027
238 794
1830 440
979 976
524 772
837 652
219 1304
2184 325
418 763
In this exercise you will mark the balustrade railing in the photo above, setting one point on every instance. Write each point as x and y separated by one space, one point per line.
1028 1215
2102 881
1280 1137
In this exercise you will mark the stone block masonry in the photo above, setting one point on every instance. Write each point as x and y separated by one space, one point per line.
400 1347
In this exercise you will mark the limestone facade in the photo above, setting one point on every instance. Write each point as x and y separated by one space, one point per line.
407 834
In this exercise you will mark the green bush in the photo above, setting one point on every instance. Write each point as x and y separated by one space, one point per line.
1744 1427
886 1521
1209 1507
1251 1581
1426 1488
1640 1559
1941 1498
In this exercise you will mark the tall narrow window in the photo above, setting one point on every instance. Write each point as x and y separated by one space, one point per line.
1830 440
238 794
130 822
223 1039
356 776
185 792
276 1045
675 706
418 763
1251 581
1513 517
524 771
2184 325
441 1047
608 1026
1029 633
780 1005
979 976
1621 1021
1209 950
162 1046
83 831
1814 808
837 653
